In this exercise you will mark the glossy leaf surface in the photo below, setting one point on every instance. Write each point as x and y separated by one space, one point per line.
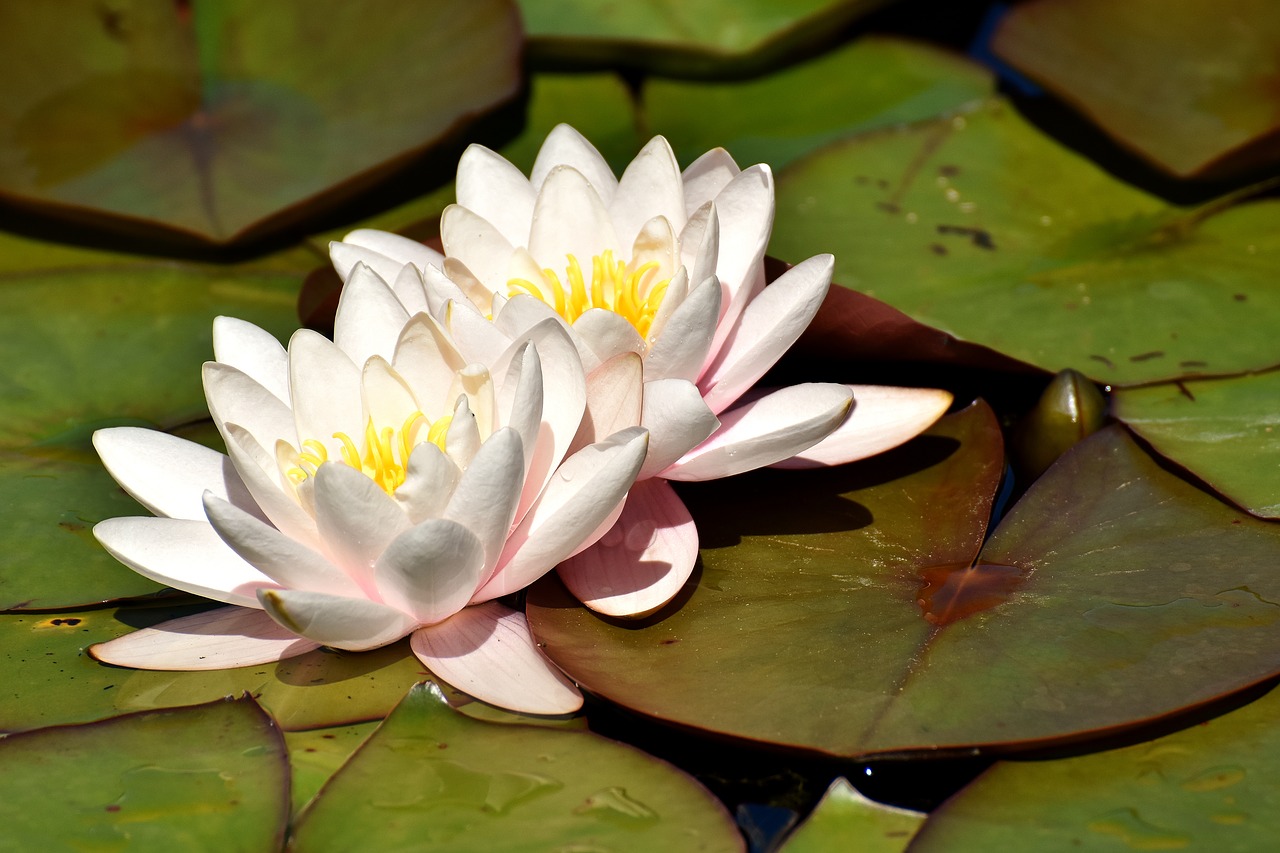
1189 86
215 118
982 227
1224 431
1210 786
1103 599
53 681
844 820
209 777
430 775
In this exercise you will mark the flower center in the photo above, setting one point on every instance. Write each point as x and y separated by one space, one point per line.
385 456
633 294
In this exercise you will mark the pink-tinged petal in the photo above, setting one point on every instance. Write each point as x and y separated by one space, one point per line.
488 493
700 243
764 431
385 396
745 212
607 334
677 292
352 624
428 483
427 359
431 570
677 420
254 352
615 392
224 638
325 385
706 177
681 349
233 397
258 470
520 399
882 418
488 652
168 475
771 324
369 317
474 241
497 191
475 335
409 289
402 250
569 219
186 555
643 561
651 186
580 495
285 561
356 519
564 146
462 439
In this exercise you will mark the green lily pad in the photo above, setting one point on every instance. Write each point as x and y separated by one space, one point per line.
50 680
1189 86
433 777
700 38
873 82
316 754
1225 431
980 226
850 611
1208 787
210 777
844 820
221 119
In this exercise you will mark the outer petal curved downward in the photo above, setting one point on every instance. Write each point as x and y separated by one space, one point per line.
216 639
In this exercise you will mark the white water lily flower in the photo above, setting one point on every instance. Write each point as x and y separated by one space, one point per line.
384 484
659 279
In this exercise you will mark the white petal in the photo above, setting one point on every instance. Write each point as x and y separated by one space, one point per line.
677 420
258 470
569 219
770 325
369 317
224 638
497 191
681 349
475 382
882 418
582 493
608 334
520 400
325 384
253 351
168 475
615 393
426 359
677 292
409 289
656 243
770 429
488 652
353 624
643 561
488 493
287 562
474 241
431 570
402 250
471 288
356 519
745 212
476 337
186 555
564 146
700 243
428 483
651 186
441 289
235 398
385 396
462 440
706 177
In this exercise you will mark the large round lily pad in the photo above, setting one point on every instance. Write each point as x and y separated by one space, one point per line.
982 227
220 118
851 612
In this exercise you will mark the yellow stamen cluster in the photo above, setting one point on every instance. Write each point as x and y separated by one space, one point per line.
629 293
385 459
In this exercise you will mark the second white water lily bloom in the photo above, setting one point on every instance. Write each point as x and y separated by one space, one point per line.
384 484
659 279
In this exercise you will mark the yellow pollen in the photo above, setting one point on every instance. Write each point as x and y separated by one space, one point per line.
632 294
385 454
